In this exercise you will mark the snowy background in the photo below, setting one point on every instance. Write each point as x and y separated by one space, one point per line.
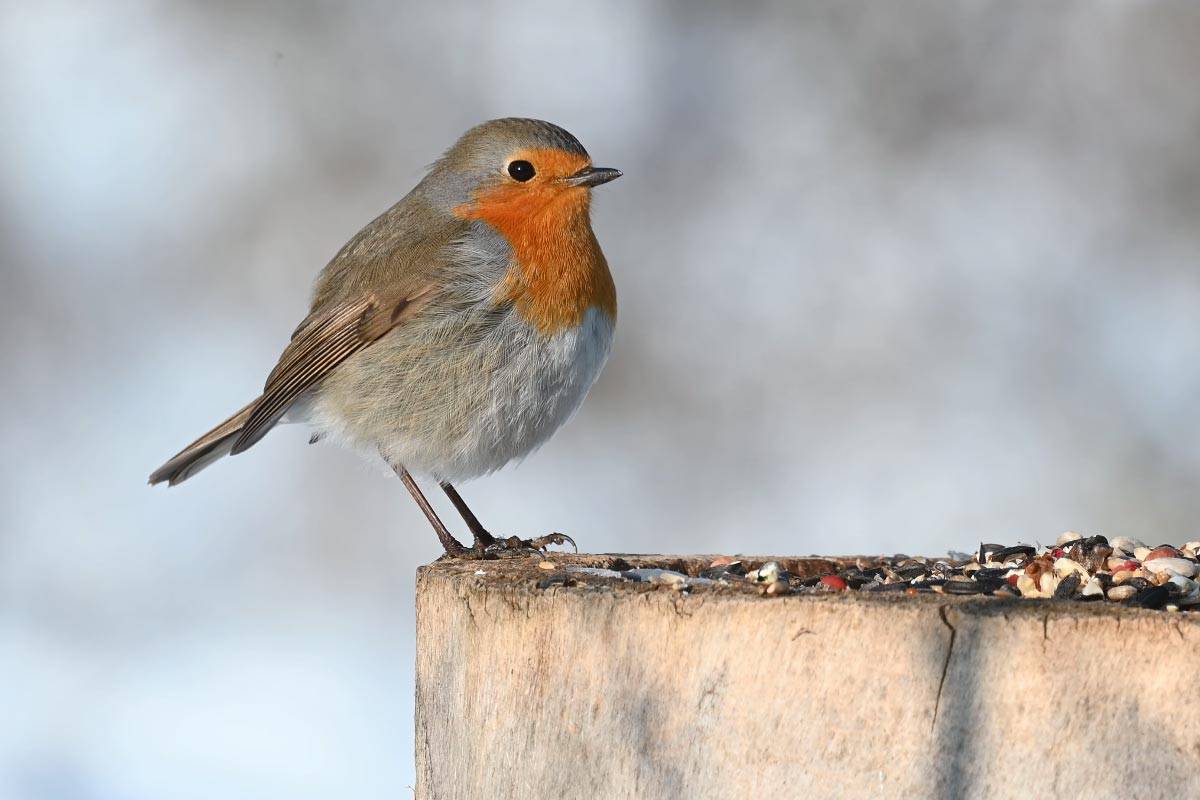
893 276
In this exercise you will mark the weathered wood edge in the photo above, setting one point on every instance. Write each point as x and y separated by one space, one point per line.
523 577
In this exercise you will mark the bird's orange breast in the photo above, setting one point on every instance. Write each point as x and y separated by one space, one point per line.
559 271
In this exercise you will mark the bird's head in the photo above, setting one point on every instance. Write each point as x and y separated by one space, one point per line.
517 172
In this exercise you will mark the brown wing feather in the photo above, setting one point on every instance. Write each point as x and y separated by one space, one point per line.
202 452
323 341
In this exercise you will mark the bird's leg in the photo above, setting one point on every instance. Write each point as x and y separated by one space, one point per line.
449 543
485 541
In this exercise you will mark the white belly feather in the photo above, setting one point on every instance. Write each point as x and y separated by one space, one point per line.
541 386
497 403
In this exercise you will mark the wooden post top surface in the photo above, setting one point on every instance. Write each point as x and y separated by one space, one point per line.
582 572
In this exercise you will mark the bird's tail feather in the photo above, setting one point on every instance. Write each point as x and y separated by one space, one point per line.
204 451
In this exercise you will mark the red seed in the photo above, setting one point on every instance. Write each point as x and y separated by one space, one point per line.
1059 552
1012 580
834 582
1124 565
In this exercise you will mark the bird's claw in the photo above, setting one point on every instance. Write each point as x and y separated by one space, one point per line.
560 539
516 546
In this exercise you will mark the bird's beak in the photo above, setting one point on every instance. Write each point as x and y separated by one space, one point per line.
592 176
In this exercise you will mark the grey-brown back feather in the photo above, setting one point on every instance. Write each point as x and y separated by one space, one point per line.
321 346
370 286
396 265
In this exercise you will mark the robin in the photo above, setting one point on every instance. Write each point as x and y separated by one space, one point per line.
456 332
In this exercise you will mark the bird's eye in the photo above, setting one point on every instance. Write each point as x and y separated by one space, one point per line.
521 170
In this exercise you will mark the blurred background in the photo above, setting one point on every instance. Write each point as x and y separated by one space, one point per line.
893 277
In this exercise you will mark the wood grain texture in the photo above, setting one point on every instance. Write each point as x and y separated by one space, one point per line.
621 690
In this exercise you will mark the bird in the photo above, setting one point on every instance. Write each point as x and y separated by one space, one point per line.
455 333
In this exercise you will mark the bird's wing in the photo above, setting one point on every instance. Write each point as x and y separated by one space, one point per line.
326 338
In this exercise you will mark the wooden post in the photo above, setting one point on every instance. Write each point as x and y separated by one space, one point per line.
528 688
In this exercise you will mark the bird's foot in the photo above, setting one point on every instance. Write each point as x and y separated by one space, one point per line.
488 546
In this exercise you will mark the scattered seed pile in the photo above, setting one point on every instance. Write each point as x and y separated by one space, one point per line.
1083 568
1076 567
